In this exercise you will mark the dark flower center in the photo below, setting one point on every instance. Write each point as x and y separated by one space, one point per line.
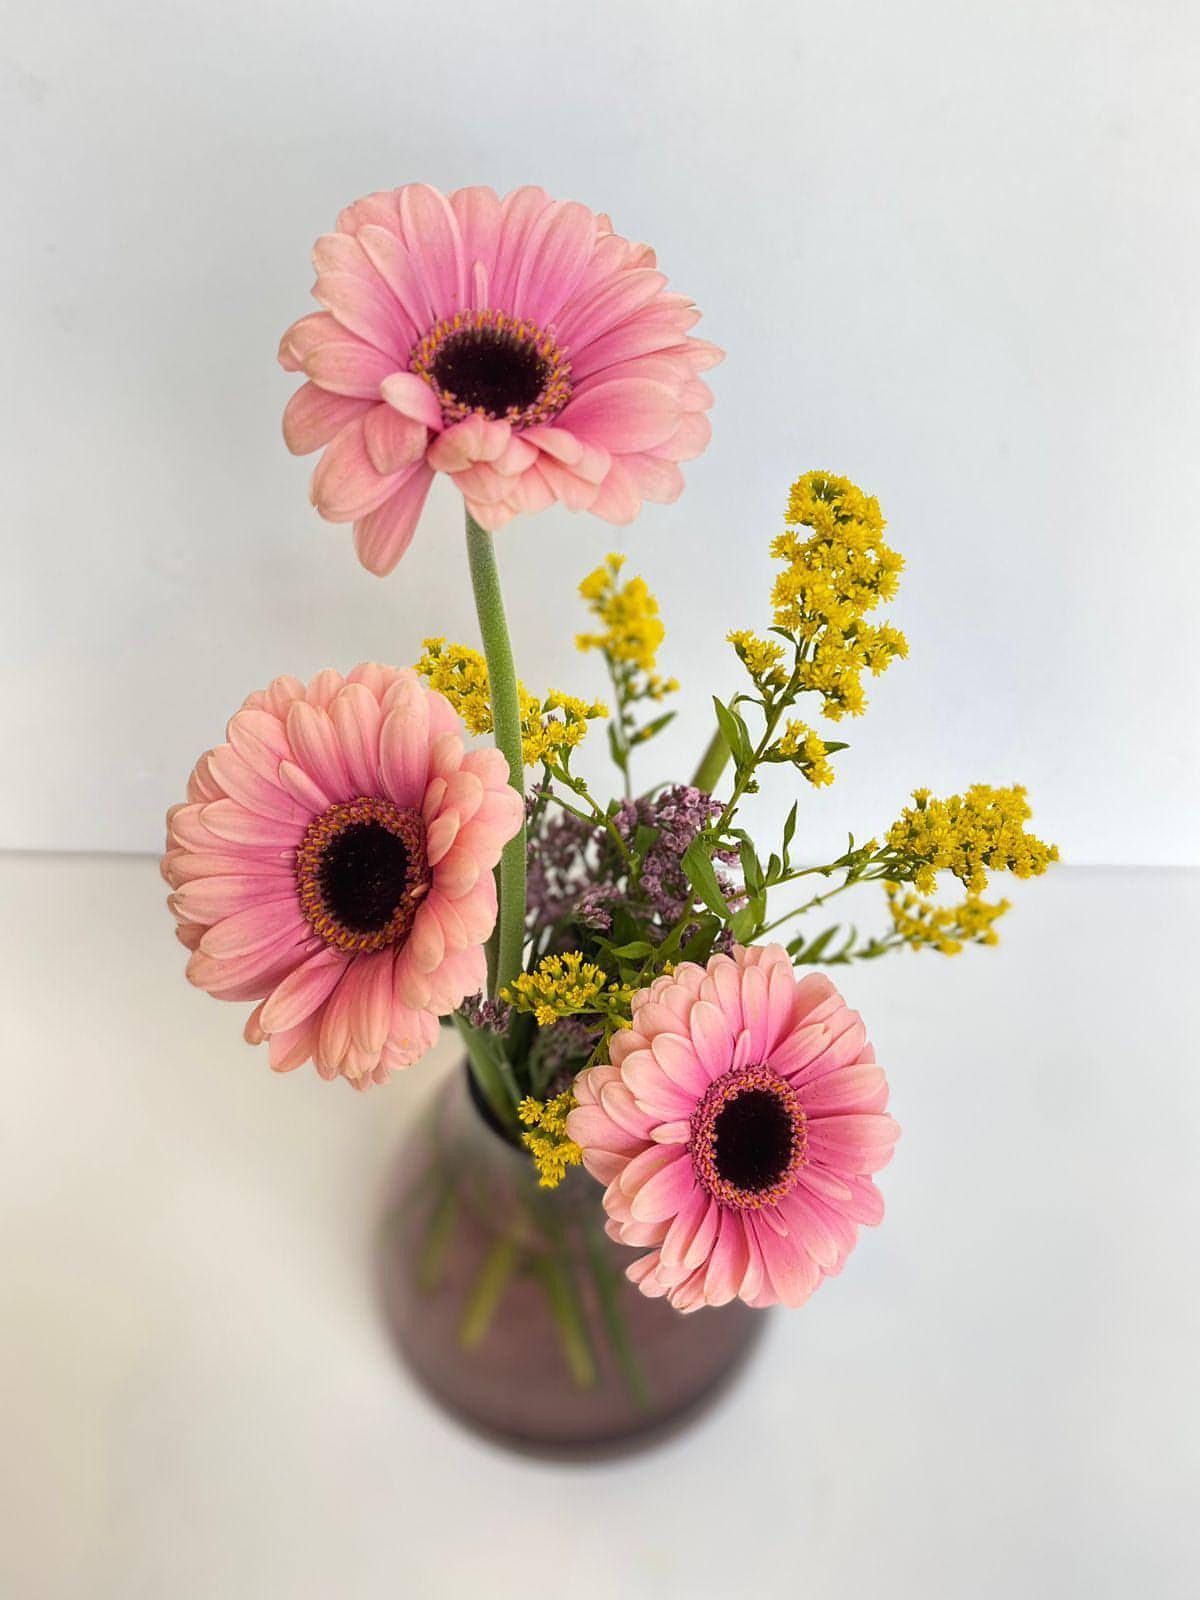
748 1138
363 874
488 370
490 364
753 1140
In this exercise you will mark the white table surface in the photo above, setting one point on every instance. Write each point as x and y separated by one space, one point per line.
997 1398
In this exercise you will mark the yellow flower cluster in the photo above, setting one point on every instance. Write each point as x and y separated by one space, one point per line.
550 727
969 835
547 1140
807 751
762 658
834 575
924 925
559 986
632 627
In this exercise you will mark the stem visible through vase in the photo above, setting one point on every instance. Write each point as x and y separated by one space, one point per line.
506 722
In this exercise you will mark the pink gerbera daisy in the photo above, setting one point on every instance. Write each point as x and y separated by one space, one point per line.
519 345
736 1128
334 861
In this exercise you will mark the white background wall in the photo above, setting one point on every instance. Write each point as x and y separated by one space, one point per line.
952 249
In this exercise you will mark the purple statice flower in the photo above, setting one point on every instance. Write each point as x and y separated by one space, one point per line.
678 814
489 1016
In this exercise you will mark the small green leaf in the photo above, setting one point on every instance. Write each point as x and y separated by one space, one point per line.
698 868
651 728
816 949
789 829
734 732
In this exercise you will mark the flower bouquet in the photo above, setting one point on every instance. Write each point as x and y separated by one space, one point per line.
633 975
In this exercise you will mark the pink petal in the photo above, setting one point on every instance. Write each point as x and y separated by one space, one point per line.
609 304
478 212
382 537
558 248
661 1196
347 366
313 415
253 929
241 783
345 484
519 211
394 264
371 1002
230 820
852 1144
208 900
393 442
366 308
356 720
857 1088
626 414
404 751
430 231
711 1037
318 749
463 444
302 991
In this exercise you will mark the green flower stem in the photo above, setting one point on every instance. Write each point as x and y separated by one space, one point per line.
491 1070
506 720
608 1291
432 1257
712 764
488 1291
563 1298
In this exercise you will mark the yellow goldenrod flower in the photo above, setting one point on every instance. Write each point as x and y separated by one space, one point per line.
550 727
547 1142
833 576
762 658
807 750
969 835
632 627
562 986
924 925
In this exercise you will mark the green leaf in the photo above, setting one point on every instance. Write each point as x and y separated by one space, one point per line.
654 727
789 829
698 868
751 868
699 946
744 924
813 952
734 732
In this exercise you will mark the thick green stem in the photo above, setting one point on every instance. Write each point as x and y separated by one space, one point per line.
489 1289
506 720
491 1070
712 764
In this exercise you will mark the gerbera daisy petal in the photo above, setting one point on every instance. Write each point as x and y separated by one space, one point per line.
306 883
740 1126
383 535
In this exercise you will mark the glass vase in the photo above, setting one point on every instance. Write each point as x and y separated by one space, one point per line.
510 1303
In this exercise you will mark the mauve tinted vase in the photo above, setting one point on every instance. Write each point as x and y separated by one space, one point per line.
510 1303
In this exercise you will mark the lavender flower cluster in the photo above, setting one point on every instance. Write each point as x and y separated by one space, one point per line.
576 875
